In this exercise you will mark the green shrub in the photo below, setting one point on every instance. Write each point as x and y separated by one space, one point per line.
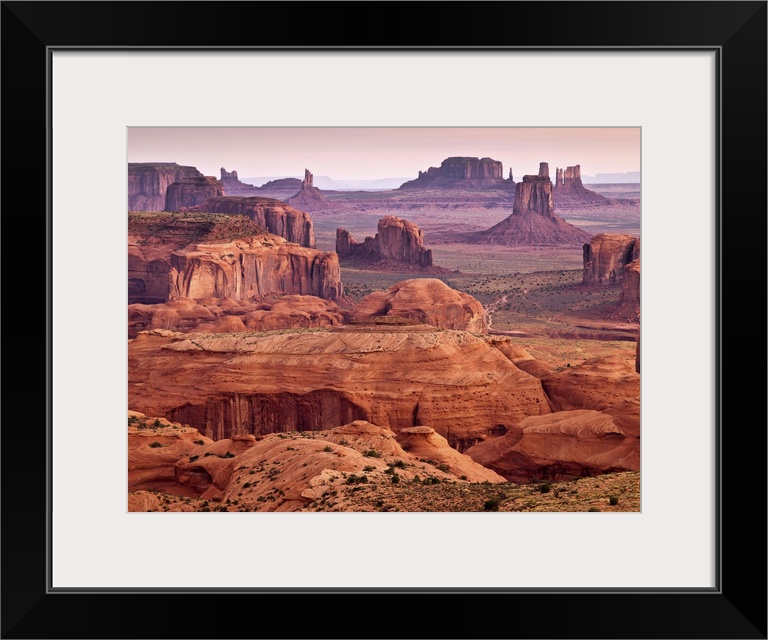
157 423
155 445
228 454
395 478
372 453
193 458
491 505
400 464
613 500
544 488
327 449
592 509
199 442
369 468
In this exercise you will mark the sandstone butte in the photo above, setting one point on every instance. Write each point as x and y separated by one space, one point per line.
394 377
533 220
310 198
201 255
284 472
273 215
149 181
570 193
606 255
282 188
189 192
397 241
462 172
225 315
424 300
566 444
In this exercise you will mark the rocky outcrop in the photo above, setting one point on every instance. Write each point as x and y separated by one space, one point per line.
394 377
570 193
460 172
202 255
424 300
212 315
606 256
397 240
566 445
310 198
533 220
597 383
190 192
253 268
233 186
628 307
149 181
273 215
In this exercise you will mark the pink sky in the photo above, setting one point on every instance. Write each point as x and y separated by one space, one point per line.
357 153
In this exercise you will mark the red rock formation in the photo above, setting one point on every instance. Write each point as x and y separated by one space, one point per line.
310 198
570 193
628 307
427 301
233 186
598 384
566 445
395 377
148 182
203 255
273 215
190 192
397 240
606 255
533 220
256 268
460 172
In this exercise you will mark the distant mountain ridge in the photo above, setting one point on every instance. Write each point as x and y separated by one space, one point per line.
329 184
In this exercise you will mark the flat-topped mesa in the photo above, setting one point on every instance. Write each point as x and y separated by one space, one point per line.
202 255
190 192
397 240
460 171
273 215
148 182
606 255
310 198
227 176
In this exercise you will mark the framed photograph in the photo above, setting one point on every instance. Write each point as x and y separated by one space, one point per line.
87 103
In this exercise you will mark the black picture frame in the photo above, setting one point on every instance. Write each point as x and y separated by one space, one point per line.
736 608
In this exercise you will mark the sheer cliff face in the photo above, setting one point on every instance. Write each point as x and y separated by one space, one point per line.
171 257
397 239
606 256
234 385
273 215
149 181
255 268
190 192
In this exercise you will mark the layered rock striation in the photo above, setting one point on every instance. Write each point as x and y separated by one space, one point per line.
197 256
566 445
190 192
606 255
394 377
533 220
149 181
424 300
273 215
397 240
